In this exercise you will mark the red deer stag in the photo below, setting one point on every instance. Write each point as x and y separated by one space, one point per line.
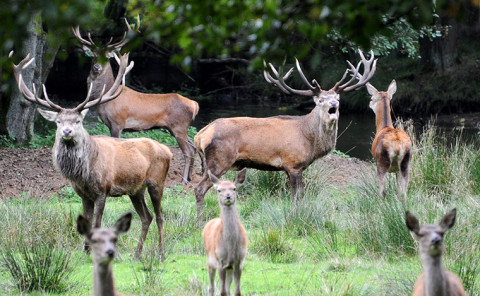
100 166
435 279
136 111
225 238
287 143
104 244
391 148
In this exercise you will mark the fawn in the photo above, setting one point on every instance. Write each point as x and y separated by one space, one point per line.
435 279
225 238
103 243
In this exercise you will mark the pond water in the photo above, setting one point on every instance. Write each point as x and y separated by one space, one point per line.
355 131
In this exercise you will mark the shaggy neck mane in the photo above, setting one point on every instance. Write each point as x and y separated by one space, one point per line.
73 159
322 135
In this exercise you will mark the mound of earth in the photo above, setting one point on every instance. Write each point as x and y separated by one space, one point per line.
31 172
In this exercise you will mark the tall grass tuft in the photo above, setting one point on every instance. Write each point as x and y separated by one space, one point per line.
272 245
41 267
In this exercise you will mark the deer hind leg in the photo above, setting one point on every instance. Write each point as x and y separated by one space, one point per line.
383 165
211 275
188 151
156 193
138 202
403 175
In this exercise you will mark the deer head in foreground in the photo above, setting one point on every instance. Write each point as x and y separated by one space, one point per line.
279 143
99 166
435 280
135 111
225 238
103 242
391 148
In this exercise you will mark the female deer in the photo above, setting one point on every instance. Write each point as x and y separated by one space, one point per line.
435 280
104 245
225 238
391 148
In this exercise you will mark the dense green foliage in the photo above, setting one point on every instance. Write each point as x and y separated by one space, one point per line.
341 239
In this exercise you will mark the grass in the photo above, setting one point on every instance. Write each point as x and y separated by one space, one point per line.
334 241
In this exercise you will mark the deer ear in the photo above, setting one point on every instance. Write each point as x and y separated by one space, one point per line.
371 89
412 223
83 226
392 88
48 115
449 219
123 223
213 178
240 177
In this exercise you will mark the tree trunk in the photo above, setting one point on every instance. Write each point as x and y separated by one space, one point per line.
21 113
441 52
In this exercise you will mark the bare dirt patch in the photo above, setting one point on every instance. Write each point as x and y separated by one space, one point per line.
31 172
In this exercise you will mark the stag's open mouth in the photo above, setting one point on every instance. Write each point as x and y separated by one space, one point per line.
332 112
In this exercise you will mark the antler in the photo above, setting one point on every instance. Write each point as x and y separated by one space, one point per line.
118 45
115 90
110 46
369 70
111 94
313 90
27 94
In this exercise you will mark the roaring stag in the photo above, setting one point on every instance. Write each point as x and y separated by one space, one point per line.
136 111
225 238
435 279
103 242
391 148
287 143
100 166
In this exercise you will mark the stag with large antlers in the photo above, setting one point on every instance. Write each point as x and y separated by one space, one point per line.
279 143
136 111
100 166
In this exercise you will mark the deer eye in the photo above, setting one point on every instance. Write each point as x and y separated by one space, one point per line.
93 241
114 240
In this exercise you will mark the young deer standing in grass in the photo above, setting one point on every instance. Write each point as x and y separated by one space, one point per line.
391 148
435 280
225 238
103 242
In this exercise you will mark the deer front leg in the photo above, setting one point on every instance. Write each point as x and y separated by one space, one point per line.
222 272
99 207
296 183
237 275
188 154
88 206
211 275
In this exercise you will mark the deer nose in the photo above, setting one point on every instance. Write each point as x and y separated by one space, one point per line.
67 132
111 253
334 104
437 240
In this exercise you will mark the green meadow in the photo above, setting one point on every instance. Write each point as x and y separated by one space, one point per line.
344 240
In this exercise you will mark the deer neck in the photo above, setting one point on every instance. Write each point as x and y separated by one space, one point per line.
322 134
104 78
74 159
103 284
383 117
434 275
230 226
